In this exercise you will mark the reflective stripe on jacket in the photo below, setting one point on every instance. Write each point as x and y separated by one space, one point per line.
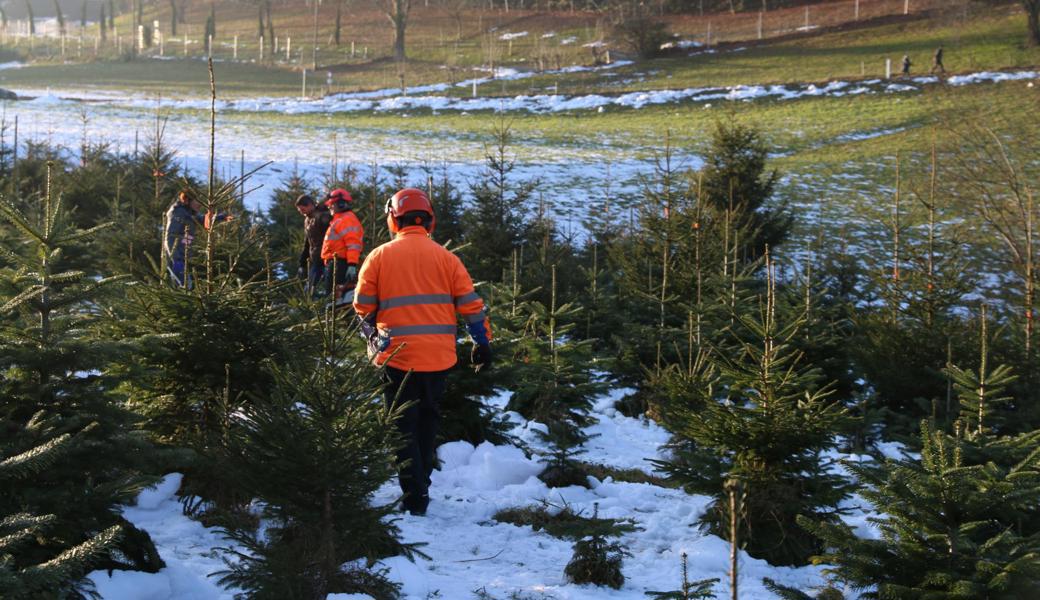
414 287
344 238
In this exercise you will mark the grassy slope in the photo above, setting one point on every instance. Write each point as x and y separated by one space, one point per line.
989 40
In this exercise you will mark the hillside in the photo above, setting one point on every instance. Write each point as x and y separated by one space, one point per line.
448 44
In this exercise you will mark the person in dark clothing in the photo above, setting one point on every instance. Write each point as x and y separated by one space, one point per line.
906 65
181 220
937 61
316 218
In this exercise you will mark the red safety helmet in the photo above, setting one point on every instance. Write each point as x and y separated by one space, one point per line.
337 195
406 201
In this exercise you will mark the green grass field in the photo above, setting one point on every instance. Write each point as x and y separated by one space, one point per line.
993 39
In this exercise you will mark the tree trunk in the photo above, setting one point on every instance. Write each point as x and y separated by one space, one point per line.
1033 19
270 26
397 12
60 17
32 20
399 28
173 17
339 21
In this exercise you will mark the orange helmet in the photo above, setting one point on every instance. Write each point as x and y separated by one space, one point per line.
337 195
409 200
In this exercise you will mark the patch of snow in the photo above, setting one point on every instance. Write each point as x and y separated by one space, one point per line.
512 36
992 77
568 41
185 545
867 135
683 44
11 65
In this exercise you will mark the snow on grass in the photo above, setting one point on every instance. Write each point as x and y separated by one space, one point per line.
991 77
683 44
395 100
512 36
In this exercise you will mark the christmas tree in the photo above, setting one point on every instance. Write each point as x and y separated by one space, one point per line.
24 534
952 527
755 413
57 389
314 446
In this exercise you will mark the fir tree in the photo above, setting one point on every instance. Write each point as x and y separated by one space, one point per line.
689 590
980 393
58 381
23 536
597 559
735 178
555 383
952 529
496 222
314 447
763 417
916 279
447 202
284 224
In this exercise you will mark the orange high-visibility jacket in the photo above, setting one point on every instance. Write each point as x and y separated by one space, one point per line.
344 238
415 286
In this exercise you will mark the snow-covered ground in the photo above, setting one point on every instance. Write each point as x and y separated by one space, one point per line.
470 551
568 173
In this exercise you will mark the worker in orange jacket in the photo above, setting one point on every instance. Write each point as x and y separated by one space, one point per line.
343 243
410 288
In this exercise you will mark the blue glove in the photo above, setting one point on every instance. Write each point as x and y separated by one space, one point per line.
478 332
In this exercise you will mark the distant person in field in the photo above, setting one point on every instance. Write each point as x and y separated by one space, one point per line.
181 221
316 219
906 65
937 61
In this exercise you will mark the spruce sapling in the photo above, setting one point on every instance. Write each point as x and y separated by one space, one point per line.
597 560
689 590
315 446
760 414
554 375
951 528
